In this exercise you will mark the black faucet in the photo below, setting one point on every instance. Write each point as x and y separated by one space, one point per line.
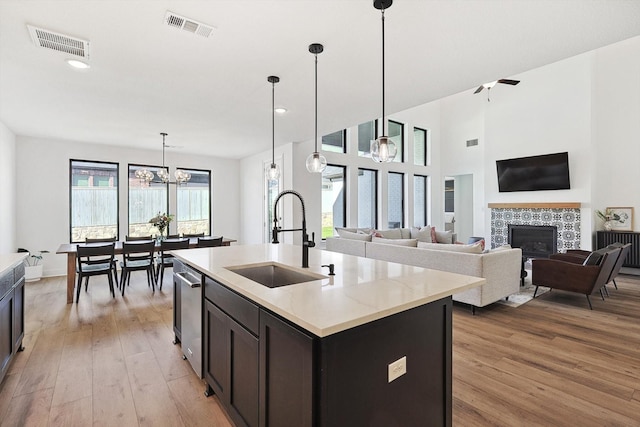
306 243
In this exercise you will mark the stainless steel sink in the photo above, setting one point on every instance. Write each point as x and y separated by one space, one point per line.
274 275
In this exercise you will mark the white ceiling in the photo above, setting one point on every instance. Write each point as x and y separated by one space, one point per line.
211 94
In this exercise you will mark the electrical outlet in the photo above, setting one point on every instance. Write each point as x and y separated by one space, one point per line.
397 368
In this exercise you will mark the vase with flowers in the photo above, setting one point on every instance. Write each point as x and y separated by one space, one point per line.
606 217
161 222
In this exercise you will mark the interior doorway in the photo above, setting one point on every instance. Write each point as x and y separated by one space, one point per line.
458 205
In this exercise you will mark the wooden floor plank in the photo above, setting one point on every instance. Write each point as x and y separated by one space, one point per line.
30 409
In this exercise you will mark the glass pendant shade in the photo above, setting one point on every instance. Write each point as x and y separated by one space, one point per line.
181 176
273 173
163 174
316 162
144 175
383 150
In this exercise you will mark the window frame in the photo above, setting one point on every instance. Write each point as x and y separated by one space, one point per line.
426 146
426 199
152 168
402 197
344 196
210 173
344 142
376 214
117 165
399 158
375 136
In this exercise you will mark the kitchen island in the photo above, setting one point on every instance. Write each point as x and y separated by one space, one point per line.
370 345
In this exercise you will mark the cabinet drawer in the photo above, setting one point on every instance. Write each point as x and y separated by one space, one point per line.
239 308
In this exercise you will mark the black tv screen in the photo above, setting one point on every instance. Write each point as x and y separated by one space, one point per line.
546 172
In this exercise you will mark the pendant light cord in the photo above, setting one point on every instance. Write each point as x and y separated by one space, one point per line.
316 113
273 123
383 132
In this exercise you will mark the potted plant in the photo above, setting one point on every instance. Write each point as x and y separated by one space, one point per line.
32 265
606 217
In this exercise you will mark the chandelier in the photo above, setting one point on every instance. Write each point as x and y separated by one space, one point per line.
146 177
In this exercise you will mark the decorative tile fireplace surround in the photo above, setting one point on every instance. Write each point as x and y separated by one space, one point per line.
565 216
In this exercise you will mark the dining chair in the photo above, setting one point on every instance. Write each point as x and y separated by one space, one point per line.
165 259
173 236
137 256
138 238
115 260
209 242
94 260
193 235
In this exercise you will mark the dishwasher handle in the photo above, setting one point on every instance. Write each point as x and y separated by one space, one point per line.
188 279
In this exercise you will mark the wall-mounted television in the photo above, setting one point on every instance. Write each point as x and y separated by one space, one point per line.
534 173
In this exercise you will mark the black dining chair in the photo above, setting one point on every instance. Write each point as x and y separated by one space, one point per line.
193 235
209 242
165 259
105 240
138 238
94 260
137 256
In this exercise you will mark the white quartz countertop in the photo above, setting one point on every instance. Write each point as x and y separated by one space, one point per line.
362 290
11 260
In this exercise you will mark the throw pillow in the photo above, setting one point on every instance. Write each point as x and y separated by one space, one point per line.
353 236
444 236
474 248
350 230
399 242
391 234
593 258
434 239
421 234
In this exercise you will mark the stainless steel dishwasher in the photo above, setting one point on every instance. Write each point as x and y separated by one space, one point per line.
190 282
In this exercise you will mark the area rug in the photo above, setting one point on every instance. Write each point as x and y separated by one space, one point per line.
525 295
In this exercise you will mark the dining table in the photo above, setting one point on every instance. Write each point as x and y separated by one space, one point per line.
71 250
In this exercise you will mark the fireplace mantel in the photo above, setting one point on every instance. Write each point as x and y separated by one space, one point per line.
552 205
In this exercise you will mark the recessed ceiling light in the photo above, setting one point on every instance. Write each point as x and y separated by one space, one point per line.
280 110
78 64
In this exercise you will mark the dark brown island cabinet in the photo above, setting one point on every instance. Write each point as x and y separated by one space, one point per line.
269 372
11 309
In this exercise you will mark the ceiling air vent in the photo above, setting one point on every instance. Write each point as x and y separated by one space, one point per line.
62 43
186 24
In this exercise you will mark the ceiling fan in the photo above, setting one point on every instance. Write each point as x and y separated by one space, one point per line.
493 83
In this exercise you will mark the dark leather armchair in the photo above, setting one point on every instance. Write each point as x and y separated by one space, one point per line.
585 279
578 256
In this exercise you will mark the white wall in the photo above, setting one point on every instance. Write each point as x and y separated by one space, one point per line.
42 203
616 127
8 242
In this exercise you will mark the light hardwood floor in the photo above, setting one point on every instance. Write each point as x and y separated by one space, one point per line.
104 361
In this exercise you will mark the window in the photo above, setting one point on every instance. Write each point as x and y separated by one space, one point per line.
396 134
420 147
93 199
145 201
395 200
335 142
334 199
420 201
367 198
193 203
367 132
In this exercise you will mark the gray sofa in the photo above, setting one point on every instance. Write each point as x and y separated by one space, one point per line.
501 268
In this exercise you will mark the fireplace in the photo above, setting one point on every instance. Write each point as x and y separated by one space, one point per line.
535 241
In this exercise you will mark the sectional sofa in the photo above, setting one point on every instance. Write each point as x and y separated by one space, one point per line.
500 267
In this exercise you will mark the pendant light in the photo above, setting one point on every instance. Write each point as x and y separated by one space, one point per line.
383 149
316 162
274 171
163 173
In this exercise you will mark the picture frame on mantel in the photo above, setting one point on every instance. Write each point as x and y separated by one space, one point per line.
621 218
